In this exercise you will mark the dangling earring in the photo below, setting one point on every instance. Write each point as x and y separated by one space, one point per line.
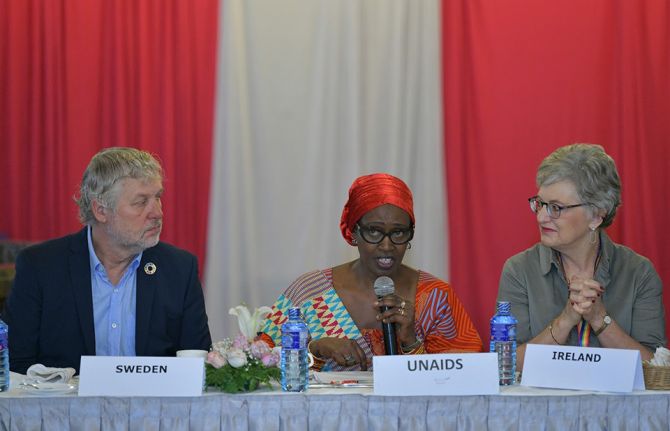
593 236
409 245
354 242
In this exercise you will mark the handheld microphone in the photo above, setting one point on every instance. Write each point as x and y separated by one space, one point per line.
384 286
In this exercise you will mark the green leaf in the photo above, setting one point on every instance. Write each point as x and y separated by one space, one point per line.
243 379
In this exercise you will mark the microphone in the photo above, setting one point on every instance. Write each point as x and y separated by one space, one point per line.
384 286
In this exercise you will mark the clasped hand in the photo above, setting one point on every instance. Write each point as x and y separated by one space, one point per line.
585 299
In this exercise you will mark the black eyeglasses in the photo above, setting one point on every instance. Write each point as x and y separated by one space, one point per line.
554 210
375 235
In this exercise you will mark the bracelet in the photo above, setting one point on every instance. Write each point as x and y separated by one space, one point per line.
414 345
551 331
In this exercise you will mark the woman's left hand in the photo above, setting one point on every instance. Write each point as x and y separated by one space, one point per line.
401 312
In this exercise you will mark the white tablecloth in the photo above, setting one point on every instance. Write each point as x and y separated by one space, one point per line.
340 409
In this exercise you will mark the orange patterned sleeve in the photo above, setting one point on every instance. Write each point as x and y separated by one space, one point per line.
444 324
268 340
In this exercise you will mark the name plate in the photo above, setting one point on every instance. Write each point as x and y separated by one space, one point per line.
140 376
582 368
440 374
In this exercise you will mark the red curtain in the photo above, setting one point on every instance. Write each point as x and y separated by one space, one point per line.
80 75
523 78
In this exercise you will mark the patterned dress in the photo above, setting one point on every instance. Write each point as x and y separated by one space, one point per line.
440 320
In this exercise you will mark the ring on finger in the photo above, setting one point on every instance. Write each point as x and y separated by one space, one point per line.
402 311
402 304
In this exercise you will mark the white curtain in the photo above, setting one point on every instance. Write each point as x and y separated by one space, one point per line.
311 94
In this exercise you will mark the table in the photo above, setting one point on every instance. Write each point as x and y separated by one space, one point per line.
341 409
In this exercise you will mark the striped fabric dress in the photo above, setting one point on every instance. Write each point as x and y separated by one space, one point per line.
441 322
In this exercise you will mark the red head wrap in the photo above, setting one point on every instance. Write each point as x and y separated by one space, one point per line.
369 192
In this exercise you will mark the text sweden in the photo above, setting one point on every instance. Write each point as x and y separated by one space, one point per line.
141 369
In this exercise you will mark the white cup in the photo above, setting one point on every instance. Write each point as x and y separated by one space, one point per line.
193 353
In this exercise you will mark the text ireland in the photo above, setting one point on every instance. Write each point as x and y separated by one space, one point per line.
576 357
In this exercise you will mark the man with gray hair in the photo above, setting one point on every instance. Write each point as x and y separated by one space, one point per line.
113 288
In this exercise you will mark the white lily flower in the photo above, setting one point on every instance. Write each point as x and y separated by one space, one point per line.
249 324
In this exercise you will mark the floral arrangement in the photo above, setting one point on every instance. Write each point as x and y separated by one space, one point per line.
245 362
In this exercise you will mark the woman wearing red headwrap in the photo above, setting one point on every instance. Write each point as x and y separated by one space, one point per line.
339 304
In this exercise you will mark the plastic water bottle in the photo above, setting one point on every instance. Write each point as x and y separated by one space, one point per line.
4 357
294 361
503 342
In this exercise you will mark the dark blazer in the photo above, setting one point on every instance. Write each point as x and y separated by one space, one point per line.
50 307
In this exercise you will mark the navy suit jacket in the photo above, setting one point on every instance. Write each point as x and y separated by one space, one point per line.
50 307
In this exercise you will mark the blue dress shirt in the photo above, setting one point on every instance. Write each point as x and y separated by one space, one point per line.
114 308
